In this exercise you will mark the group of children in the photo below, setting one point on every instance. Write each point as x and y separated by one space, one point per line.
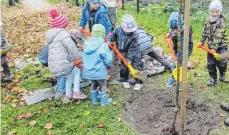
64 58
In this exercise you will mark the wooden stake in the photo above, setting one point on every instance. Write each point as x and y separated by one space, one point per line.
178 66
184 64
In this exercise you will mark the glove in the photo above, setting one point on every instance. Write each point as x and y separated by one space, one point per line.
200 44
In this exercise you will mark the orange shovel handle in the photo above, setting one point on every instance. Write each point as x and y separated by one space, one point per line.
169 42
206 49
115 49
85 31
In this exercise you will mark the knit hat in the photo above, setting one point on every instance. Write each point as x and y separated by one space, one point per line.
98 30
75 34
216 4
128 23
173 20
58 20
94 1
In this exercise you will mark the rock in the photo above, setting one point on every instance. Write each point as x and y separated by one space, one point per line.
19 63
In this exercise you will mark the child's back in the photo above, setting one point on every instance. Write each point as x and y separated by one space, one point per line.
96 57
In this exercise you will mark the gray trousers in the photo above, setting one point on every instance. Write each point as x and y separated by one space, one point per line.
112 16
99 83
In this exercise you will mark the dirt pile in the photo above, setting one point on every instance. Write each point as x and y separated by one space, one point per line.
152 113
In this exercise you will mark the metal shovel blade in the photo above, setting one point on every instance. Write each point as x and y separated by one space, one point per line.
142 75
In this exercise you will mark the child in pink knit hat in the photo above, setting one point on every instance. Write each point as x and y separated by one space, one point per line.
62 52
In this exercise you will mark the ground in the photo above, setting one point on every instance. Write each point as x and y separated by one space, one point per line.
25 29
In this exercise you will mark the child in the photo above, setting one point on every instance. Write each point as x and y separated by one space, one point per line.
146 47
96 58
215 34
94 12
62 52
111 4
127 40
5 47
173 23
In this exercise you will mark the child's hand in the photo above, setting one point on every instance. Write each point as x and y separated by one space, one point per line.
199 45
78 61
213 50
167 35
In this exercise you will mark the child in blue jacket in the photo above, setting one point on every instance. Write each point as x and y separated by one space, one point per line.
173 24
95 12
97 57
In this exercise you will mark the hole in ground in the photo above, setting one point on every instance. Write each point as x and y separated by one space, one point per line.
152 113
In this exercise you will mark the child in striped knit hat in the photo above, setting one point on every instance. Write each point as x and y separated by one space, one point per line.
61 56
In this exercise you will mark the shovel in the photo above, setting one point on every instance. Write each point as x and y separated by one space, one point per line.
142 75
218 57
169 42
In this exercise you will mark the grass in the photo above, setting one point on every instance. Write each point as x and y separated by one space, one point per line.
83 118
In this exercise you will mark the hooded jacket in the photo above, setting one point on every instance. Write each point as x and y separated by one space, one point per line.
101 17
62 51
96 58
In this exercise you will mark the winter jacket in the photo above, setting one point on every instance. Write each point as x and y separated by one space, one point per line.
62 51
101 17
5 46
126 43
144 41
96 58
215 33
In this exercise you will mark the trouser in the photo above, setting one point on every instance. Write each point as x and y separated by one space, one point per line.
153 54
72 77
124 71
99 83
112 16
61 84
213 64
4 64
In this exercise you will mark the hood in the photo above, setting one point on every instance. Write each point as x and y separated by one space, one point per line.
57 33
102 8
92 44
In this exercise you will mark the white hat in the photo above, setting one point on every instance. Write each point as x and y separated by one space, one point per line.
128 23
216 4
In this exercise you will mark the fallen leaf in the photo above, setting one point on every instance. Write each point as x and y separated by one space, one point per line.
13 132
49 132
22 99
9 86
24 116
82 125
119 119
221 115
20 104
8 98
100 125
2 106
14 100
45 110
115 103
32 123
14 105
48 125
108 90
86 113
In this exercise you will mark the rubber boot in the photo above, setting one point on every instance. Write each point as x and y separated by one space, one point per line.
104 99
94 96
211 82
171 82
222 71
224 107
6 71
226 122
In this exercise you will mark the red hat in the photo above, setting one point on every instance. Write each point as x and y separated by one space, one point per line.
58 20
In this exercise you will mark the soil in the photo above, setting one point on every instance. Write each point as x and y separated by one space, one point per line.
152 113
